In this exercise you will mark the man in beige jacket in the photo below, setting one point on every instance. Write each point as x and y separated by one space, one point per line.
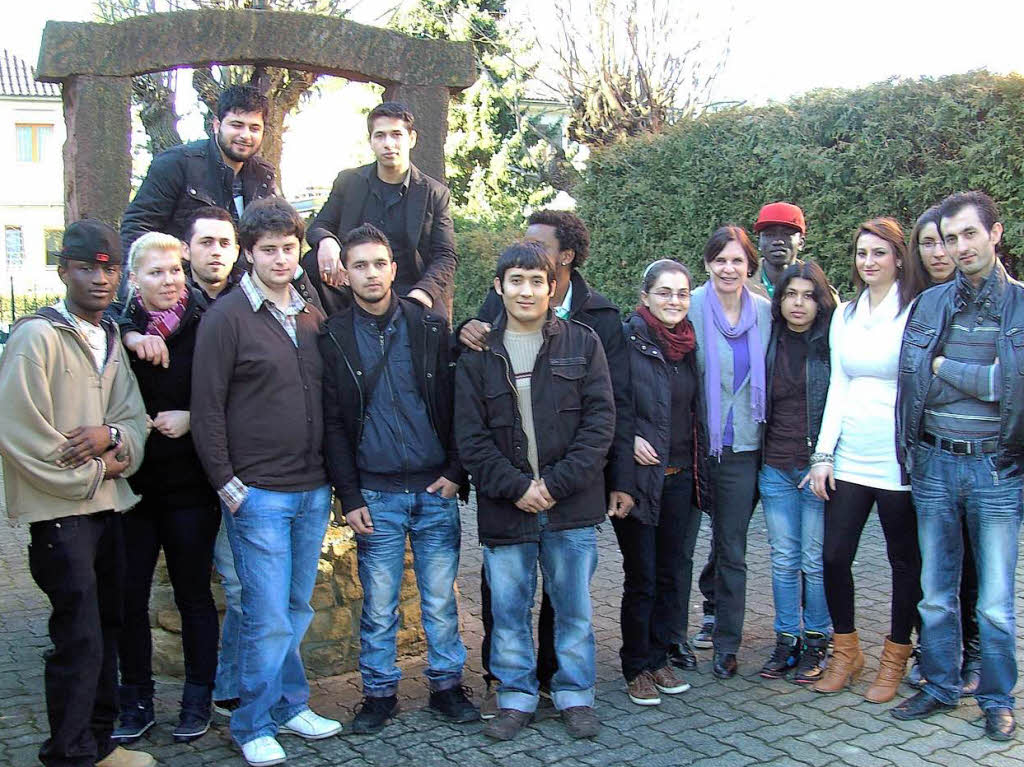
72 426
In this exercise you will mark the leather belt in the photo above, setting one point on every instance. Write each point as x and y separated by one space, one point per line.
962 446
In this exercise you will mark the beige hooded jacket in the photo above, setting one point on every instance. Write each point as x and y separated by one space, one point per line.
48 386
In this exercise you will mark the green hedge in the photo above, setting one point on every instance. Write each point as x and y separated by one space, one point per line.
844 156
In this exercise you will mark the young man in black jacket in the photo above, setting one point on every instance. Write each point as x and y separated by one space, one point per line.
223 170
391 458
539 494
566 242
410 207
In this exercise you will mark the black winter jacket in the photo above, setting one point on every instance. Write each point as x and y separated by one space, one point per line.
602 316
185 178
428 225
924 337
818 371
171 468
574 418
653 421
345 398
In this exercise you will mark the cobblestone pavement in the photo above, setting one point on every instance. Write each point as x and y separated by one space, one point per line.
745 720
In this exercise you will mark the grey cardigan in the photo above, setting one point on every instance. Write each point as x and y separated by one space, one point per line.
746 432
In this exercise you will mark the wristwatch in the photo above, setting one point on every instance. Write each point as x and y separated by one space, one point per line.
115 437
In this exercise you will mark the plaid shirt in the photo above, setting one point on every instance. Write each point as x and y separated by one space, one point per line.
286 317
234 491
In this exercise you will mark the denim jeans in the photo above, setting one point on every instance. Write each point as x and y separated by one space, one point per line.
432 524
275 538
946 487
567 559
795 519
226 686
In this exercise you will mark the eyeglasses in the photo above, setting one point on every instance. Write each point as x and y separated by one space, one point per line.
667 295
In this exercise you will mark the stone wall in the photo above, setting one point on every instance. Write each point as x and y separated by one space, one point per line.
331 645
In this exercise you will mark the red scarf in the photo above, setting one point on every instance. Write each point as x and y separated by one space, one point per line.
676 342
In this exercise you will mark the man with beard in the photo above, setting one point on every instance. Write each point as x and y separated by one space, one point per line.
223 171
391 457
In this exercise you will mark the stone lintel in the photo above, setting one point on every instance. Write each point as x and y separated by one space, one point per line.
161 41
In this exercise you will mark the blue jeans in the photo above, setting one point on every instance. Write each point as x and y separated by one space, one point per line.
434 529
796 528
226 686
275 538
946 487
568 559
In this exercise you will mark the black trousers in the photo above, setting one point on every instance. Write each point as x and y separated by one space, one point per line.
657 561
187 536
735 478
707 581
846 513
547 663
78 562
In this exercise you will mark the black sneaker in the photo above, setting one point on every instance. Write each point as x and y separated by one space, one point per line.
453 704
136 718
813 658
373 714
705 639
785 656
191 725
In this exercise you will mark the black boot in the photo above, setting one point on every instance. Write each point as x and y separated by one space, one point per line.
136 714
194 720
783 658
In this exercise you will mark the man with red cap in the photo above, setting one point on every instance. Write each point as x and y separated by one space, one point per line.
780 231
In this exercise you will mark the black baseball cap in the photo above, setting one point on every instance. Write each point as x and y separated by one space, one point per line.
90 240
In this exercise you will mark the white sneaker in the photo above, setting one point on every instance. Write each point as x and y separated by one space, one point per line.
263 751
310 726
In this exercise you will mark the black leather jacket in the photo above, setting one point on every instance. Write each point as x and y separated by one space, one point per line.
925 335
818 371
574 416
185 178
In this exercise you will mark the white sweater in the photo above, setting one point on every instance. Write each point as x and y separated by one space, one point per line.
859 424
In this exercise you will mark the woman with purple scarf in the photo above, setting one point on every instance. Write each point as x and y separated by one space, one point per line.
179 511
732 327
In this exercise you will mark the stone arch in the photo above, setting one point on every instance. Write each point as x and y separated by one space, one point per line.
94 64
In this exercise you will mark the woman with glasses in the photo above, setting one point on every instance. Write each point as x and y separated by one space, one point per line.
658 535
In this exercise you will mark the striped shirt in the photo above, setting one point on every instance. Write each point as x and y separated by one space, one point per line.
963 400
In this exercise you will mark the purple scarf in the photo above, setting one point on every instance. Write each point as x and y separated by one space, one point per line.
714 320
164 322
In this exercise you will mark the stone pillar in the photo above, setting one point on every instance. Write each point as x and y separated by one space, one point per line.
429 105
97 153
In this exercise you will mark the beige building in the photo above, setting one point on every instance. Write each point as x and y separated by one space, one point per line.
31 193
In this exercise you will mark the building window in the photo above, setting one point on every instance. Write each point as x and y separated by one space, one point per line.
14 248
33 141
52 239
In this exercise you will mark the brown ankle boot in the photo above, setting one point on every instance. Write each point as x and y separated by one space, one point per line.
891 668
847 661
